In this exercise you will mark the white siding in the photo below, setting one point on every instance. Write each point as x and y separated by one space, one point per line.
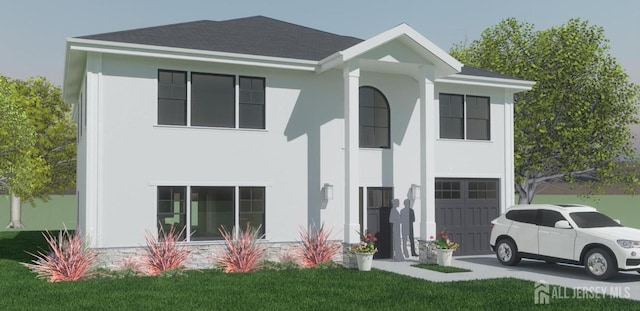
301 149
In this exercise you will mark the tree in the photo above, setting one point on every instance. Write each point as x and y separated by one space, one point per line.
574 124
18 165
52 155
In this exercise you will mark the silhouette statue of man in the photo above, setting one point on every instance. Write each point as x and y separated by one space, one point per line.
405 217
395 221
412 219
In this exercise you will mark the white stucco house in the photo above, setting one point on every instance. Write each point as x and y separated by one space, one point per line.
257 120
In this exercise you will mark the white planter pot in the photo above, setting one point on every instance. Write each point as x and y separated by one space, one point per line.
428 256
364 261
444 257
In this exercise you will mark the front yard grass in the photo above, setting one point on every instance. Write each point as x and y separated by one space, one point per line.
439 268
305 289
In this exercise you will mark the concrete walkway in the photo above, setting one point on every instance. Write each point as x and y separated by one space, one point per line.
625 285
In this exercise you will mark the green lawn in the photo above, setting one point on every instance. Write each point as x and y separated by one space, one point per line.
439 268
625 208
309 289
51 215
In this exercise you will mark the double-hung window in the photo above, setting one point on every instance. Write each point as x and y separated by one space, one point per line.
172 97
212 101
465 117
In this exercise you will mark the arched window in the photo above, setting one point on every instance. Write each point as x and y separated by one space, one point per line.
374 119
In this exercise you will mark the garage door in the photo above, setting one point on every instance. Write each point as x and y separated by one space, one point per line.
465 207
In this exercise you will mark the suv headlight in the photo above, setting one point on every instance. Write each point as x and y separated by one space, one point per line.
628 243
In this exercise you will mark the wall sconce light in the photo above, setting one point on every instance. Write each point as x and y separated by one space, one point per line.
415 191
328 191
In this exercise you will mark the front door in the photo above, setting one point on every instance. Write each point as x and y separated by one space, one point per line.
378 210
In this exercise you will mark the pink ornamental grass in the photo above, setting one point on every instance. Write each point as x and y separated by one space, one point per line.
316 246
69 257
164 253
242 253
289 257
134 264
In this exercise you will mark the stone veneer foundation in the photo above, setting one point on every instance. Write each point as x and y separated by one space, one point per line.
202 256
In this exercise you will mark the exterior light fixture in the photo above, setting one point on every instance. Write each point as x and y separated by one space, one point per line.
328 191
415 191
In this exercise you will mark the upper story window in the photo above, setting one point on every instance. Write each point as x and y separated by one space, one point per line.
212 101
252 102
465 117
374 119
172 97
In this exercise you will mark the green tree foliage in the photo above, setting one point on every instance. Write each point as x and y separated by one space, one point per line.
56 143
19 165
49 163
575 122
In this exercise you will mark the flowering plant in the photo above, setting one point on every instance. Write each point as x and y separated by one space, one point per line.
367 244
443 242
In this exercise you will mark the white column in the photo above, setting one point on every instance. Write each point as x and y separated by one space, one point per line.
93 131
508 183
352 153
428 115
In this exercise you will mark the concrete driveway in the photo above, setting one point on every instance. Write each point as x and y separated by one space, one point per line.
625 285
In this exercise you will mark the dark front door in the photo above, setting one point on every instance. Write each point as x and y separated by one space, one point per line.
378 210
465 208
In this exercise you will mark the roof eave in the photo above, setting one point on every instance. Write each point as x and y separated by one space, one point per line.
133 49
513 84
73 72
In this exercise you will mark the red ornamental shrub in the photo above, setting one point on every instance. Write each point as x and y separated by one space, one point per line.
316 246
242 253
164 253
69 258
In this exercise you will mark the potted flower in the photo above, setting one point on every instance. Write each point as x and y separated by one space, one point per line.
444 248
365 250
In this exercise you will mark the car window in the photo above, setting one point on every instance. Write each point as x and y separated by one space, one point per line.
593 220
526 216
548 218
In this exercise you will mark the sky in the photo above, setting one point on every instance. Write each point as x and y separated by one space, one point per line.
34 31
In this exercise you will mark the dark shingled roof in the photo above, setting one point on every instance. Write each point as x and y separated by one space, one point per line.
473 71
257 35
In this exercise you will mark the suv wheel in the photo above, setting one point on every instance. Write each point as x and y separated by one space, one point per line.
600 264
507 252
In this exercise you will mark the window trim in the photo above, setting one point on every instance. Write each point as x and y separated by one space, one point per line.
465 118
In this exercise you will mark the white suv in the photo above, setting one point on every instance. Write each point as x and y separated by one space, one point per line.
575 234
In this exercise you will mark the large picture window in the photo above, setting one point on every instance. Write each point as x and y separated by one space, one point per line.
212 101
465 117
374 119
210 208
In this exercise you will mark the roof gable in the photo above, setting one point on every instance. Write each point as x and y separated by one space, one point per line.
257 35
444 64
